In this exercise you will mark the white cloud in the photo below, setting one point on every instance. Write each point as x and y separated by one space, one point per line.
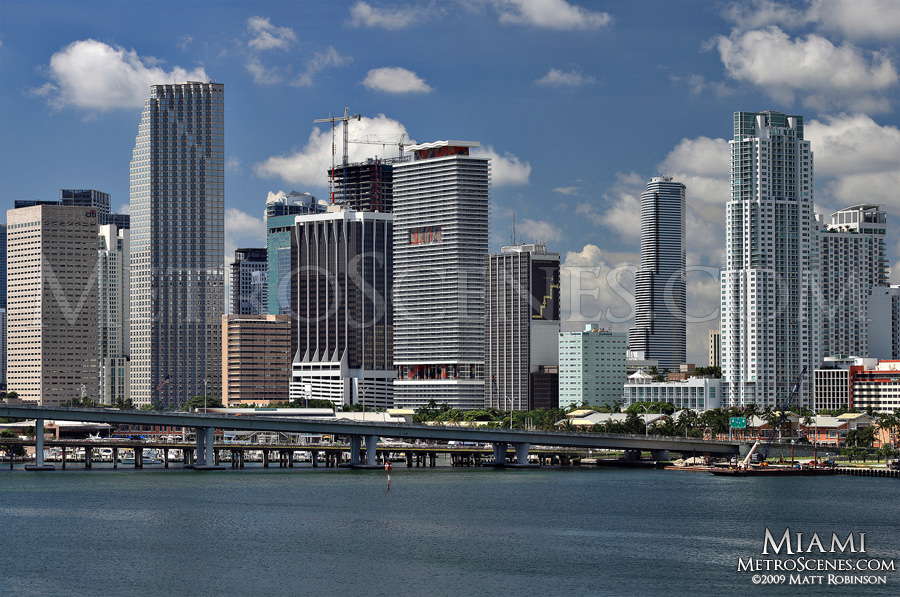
538 231
558 78
184 41
308 166
395 79
859 19
93 75
595 291
266 36
506 169
319 61
567 190
263 75
365 15
825 75
853 19
623 206
703 165
124 208
551 14
233 164
243 230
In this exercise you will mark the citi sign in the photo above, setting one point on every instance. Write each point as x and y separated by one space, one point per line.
91 213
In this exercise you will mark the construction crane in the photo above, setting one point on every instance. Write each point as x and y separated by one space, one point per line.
346 158
400 144
782 415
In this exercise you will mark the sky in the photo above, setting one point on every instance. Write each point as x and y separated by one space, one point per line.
577 103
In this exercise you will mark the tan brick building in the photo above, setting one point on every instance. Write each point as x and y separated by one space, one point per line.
256 359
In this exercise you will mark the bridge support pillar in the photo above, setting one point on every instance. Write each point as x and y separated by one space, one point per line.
63 453
355 445
521 453
632 455
200 434
659 455
314 458
500 454
88 453
115 458
38 449
371 450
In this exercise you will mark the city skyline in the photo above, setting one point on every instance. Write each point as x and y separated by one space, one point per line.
573 121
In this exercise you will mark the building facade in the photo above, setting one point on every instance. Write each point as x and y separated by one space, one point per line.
256 359
441 209
695 393
770 308
114 310
521 324
279 218
715 348
659 285
878 388
852 249
884 322
245 298
591 366
178 244
344 309
52 303
366 186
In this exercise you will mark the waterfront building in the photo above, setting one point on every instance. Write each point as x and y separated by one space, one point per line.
884 322
113 295
878 388
853 263
178 244
3 349
695 393
591 366
52 303
244 299
343 308
521 325
441 209
256 359
833 381
279 219
659 285
715 348
770 308
366 186
2 266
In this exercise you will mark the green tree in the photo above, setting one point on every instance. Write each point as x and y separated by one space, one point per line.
201 402
12 449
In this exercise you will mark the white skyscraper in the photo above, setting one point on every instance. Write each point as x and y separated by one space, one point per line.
659 306
770 280
440 241
177 258
113 294
853 264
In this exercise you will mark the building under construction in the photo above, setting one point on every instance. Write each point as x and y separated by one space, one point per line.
365 186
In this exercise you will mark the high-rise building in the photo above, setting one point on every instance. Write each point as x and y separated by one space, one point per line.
659 330
244 300
884 322
853 261
343 308
113 293
770 308
591 366
52 303
279 218
89 198
715 348
256 359
521 323
2 349
366 186
2 266
177 241
441 209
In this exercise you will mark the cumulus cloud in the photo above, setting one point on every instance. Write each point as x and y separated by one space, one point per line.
558 78
97 76
363 14
308 165
266 36
394 79
702 164
538 231
263 75
622 203
549 14
506 169
823 74
567 190
853 19
594 290
233 164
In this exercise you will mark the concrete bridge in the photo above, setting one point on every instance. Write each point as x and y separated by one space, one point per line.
363 432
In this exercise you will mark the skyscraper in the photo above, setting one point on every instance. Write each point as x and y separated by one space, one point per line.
366 186
52 303
343 308
177 259
244 301
853 264
770 311
441 210
659 306
521 323
114 310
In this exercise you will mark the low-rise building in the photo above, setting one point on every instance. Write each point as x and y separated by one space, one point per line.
256 359
696 393
591 366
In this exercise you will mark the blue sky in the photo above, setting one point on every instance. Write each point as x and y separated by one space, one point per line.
578 103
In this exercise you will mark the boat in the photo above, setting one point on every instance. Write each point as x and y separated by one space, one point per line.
774 471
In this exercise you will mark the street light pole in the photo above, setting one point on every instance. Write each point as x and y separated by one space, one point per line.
205 392
646 426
